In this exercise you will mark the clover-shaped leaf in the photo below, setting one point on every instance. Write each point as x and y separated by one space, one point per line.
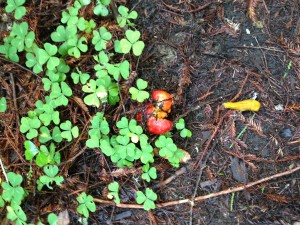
2 104
62 33
69 131
114 192
77 45
147 200
86 204
30 125
12 192
100 9
44 134
17 6
106 148
21 36
149 173
70 17
33 62
101 38
138 93
9 51
79 76
124 17
51 172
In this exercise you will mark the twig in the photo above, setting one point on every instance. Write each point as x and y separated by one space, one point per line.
17 64
254 158
15 98
241 89
168 180
203 197
3 170
113 7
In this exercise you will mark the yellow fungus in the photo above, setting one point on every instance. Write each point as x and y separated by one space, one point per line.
245 105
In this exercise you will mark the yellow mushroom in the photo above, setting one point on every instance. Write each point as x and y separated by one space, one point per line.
245 105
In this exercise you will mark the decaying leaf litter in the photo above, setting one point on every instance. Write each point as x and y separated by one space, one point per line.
205 54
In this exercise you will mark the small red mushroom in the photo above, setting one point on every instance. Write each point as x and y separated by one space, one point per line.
158 126
150 110
162 100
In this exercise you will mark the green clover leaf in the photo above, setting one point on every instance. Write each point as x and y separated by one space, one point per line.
17 6
2 104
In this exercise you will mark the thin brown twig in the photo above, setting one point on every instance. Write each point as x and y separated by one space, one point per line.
241 89
17 64
203 197
254 158
13 87
169 179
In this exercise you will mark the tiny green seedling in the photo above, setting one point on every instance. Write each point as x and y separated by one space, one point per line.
59 93
149 173
132 42
79 76
138 93
86 26
70 17
76 45
2 104
114 192
51 172
129 128
125 17
146 199
98 131
17 6
85 2
43 156
169 150
69 132
101 38
49 114
102 58
119 69
47 56
30 126
21 38
100 9
86 204
12 191
184 132
52 219
147 150
63 34
9 51
15 213
44 135
96 93
33 62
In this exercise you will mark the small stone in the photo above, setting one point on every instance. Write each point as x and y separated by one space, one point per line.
279 107
265 152
286 133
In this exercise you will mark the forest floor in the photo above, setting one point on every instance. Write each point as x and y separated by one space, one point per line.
205 53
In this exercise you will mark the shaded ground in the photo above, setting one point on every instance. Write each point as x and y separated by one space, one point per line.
204 56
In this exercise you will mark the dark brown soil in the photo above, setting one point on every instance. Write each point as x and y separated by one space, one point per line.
205 53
